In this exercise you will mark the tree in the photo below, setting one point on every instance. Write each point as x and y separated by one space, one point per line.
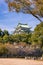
39 5
17 38
1 39
5 32
23 37
25 7
5 38
11 38
1 33
37 36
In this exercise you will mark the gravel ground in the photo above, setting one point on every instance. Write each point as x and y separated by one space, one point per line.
16 61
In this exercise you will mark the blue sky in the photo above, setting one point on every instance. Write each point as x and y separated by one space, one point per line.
9 20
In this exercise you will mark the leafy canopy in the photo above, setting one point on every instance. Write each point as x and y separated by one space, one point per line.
37 36
34 7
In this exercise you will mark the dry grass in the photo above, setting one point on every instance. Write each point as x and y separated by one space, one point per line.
16 61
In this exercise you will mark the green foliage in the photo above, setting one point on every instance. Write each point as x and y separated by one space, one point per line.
1 40
5 32
17 38
37 36
5 38
11 39
22 37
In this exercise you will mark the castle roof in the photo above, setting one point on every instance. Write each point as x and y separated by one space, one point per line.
23 25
